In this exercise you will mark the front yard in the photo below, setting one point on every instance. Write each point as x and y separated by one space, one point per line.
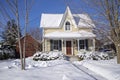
59 69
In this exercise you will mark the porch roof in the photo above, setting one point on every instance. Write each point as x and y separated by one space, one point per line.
70 35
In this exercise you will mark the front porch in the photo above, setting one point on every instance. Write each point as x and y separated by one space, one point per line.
70 43
69 46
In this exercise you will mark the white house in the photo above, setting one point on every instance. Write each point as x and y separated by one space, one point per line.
69 33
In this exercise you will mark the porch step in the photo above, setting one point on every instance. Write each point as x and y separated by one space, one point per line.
72 58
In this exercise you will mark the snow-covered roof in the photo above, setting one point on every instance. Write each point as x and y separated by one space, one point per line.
51 20
54 20
83 20
66 35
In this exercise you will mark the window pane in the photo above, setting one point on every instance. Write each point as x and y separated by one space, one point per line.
81 41
56 44
81 44
67 26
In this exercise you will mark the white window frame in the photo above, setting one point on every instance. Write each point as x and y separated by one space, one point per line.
55 46
83 44
66 26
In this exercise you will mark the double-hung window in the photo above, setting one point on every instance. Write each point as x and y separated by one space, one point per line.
83 44
55 45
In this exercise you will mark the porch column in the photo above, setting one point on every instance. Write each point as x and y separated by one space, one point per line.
62 44
43 45
78 44
72 47
93 44
46 45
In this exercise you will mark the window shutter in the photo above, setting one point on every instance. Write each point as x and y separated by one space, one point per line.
51 45
86 44
60 45
76 44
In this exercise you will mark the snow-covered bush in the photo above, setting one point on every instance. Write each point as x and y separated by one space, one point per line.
93 55
7 53
46 56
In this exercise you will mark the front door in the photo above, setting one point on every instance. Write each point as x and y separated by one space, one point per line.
68 47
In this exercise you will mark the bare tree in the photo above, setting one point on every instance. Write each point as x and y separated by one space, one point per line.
14 13
27 10
18 24
110 10
36 33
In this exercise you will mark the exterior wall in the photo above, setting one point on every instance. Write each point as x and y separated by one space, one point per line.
47 45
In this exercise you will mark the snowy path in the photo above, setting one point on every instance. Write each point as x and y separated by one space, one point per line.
63 70
89 72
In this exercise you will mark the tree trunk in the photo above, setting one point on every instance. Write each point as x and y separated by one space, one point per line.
19 42
118 53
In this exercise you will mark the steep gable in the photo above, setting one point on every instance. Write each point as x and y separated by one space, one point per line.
67 16
58 20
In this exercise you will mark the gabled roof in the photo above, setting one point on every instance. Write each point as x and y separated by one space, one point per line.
57 20
67 12
83 20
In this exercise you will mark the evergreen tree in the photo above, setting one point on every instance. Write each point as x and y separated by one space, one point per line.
10 34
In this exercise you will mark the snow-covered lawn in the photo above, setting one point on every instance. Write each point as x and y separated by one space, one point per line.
54 67
41 70
107 68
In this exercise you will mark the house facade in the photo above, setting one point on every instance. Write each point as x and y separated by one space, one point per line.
69 33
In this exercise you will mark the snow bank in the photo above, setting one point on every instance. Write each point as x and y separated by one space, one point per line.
107 68
93 55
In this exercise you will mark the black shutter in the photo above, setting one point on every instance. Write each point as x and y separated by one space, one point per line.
51 45
86 44
76 44
60 45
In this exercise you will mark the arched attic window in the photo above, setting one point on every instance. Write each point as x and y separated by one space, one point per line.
67 26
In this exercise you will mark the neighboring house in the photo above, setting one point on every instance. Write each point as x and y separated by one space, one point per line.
67 32
31 45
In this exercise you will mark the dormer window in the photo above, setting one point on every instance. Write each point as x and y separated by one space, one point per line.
67 26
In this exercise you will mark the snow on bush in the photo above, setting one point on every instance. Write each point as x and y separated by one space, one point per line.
40 59
32 64
93 55
7 53
46 56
